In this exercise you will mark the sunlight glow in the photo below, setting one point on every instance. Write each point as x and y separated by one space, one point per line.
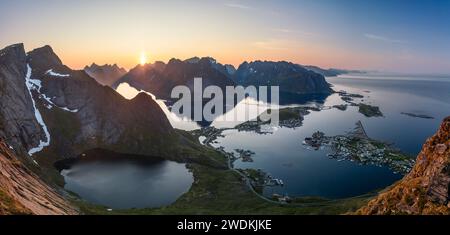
143 58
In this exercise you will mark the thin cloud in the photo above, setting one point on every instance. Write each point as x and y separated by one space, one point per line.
269 45
383 39
284 30
239 6
291 31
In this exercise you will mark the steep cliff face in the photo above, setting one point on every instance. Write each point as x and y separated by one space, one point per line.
425 190
22 192
18 124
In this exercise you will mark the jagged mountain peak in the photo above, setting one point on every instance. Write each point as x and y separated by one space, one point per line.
13 47
192 60
197 59
13 53
174 61
44 59
106 74
46 53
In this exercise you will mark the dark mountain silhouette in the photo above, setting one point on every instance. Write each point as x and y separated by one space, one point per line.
291 78
105 74
159 78
331 72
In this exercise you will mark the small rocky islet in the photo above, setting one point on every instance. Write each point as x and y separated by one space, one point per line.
365 109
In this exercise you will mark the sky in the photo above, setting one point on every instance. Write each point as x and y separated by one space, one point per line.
408 36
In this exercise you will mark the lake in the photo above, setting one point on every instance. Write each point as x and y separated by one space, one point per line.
127 182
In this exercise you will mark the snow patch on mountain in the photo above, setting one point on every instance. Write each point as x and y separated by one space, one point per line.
37 85
51 73
31 85
51 104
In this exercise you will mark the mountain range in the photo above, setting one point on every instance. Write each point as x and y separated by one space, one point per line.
159 78
105 74
291 78
332 72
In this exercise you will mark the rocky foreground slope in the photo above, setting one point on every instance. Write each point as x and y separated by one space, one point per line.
22 192
425 190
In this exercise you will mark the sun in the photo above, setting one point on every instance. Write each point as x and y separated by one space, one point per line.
143 58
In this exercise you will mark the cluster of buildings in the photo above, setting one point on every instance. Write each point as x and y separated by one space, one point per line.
370 152
281 198
357 146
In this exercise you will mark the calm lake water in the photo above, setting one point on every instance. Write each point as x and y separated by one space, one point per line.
128 183
311 173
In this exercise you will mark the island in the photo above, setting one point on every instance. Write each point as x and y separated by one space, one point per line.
369 110
417 115
357 146
365 109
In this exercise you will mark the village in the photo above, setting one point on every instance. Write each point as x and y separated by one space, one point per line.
357 146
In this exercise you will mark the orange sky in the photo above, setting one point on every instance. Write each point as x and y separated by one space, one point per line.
389 36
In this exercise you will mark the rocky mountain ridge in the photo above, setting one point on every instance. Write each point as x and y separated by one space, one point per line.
106 74
18 124
159 78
